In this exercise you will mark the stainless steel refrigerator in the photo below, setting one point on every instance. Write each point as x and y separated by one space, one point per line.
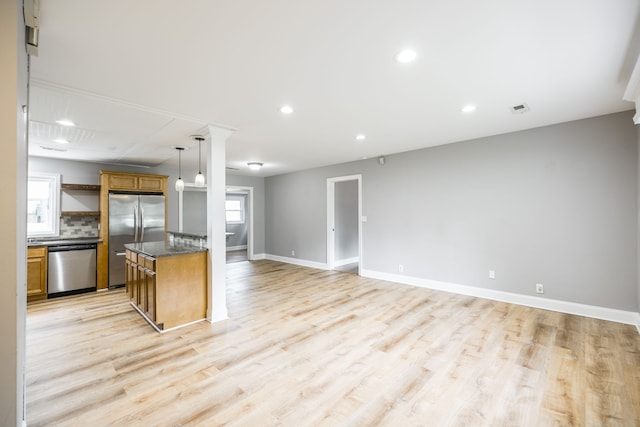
132 218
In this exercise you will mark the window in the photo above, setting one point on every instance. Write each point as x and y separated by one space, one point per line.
235 210
43 200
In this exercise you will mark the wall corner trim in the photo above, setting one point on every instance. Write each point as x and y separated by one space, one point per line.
603 313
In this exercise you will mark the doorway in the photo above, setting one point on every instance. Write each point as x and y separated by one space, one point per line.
239 224
344 230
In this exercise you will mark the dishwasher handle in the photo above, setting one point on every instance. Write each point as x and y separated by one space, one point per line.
67 248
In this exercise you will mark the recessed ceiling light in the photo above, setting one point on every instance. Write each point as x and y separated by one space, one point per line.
406 55
65 122
361 137
61 141
254 166
468 108
286 109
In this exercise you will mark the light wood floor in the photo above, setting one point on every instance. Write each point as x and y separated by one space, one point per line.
306 347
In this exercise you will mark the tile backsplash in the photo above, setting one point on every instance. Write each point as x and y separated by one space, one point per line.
79 226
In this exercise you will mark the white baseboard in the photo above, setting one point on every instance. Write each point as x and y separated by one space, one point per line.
620 316
258 257
338 263
297 261
236 248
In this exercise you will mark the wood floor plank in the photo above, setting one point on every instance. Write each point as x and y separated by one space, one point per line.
306 347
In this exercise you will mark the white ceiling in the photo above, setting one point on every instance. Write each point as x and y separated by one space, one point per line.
139 77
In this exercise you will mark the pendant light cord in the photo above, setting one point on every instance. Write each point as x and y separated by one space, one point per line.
199 155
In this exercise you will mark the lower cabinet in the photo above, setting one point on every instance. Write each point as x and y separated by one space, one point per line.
36 273
169 291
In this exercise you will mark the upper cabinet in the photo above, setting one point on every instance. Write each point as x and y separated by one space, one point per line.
135 182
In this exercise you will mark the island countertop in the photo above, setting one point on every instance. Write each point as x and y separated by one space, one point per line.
163 248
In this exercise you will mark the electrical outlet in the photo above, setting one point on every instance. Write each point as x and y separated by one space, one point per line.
293 253
539 288
401 268
492 274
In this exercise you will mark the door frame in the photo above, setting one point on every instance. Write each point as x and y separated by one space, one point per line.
331 218
250 234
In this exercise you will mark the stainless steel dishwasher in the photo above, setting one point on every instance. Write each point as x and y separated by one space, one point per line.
72 269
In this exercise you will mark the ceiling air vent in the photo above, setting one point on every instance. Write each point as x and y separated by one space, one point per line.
520 108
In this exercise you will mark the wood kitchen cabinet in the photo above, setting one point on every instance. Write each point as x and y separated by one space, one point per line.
36 273
122 182
168 291
135 182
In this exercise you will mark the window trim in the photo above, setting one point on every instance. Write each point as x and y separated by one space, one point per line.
54 197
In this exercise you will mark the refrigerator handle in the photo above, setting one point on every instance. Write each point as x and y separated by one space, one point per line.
141 224
135 224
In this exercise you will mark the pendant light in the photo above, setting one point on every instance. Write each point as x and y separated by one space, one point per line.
199 177
179 182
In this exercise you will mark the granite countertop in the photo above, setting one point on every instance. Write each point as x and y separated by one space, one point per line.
56 241
163 248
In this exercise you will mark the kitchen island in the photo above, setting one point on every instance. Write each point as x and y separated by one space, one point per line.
167 282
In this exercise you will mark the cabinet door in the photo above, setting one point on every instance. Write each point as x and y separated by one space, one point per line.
123 182
134 284
36 278
142 289
150 285
131 278
148 183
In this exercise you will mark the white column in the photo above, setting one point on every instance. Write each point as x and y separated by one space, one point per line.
216 224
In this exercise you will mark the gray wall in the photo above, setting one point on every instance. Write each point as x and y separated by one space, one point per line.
194 210
346 220
555 205
638 253
74 172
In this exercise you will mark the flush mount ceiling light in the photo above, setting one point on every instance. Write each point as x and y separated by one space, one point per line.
254 166
405 56
179 182
199 177
286 109
61 141
65 122
361 137
468 108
